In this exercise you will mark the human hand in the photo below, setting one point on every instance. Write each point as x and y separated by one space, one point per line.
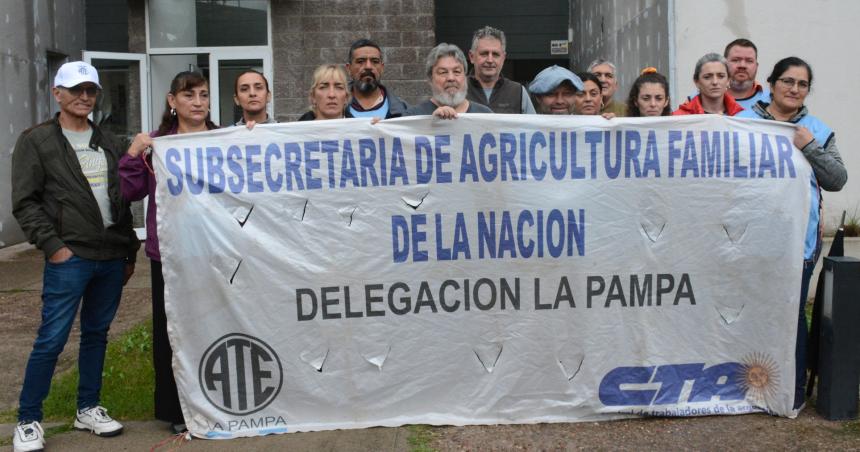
61 255
250 125
141 143
129 270
445 112
374 120
802 137
608 115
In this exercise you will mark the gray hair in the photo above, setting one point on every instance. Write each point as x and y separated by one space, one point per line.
709 58
600 61
488 32
444 50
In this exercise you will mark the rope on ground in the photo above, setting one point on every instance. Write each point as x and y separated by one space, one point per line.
173 442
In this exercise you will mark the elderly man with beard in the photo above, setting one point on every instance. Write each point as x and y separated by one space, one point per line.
369 97
446 73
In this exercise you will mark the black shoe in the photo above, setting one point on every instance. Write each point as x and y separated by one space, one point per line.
178 428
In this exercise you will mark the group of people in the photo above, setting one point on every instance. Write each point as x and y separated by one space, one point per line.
72 183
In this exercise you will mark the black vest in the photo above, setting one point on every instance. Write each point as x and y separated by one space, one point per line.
507 95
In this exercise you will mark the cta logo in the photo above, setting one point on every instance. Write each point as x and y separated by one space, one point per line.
664 385
240 374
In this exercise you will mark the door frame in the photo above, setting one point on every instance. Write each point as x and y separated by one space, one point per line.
145 101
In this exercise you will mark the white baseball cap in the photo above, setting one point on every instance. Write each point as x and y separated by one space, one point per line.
74 73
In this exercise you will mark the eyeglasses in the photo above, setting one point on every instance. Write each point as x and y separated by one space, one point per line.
92 91
789 82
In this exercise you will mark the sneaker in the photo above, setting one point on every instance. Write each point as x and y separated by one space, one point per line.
96 420
28 436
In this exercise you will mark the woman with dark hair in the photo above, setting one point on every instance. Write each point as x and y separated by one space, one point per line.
186 110
790 83
251 93
711 77
649 95
588 100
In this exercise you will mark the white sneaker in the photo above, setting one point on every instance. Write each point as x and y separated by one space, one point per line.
96 420
28 437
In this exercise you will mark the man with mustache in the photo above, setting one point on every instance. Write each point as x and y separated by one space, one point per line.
487 86
555 90
369 97
742 56
446 73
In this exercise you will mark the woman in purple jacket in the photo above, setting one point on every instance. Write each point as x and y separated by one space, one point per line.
186 111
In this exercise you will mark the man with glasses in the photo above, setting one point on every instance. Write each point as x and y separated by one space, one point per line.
742 56
604 70
65 196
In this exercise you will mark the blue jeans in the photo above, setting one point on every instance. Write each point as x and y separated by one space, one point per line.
802 337
99 283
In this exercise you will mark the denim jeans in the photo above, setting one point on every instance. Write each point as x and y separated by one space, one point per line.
802 337
99 283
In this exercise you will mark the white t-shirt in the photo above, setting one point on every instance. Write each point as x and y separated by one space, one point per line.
94 165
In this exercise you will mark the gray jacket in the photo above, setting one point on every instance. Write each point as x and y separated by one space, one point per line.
824 158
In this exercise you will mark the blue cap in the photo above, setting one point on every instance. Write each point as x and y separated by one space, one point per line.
548 80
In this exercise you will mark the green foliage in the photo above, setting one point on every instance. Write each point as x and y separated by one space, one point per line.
420 438
852 227
852 224
851 428
127 384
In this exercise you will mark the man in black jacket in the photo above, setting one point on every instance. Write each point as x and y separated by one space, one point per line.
369 98
66 197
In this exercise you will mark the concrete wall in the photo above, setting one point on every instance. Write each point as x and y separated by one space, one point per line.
633 35
822 32
29 29
308 33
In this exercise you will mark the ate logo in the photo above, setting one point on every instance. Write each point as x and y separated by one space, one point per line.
240 374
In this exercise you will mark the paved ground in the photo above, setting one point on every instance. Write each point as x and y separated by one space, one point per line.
146 435
20 286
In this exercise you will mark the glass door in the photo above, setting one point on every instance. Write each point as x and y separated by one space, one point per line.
220 66
123 107
226 64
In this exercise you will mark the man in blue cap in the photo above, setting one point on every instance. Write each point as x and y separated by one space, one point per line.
554 89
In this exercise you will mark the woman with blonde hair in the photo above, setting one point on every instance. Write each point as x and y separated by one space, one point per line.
329 94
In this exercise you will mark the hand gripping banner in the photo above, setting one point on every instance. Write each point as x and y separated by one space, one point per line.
485 270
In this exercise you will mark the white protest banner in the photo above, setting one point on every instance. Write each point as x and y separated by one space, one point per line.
489 269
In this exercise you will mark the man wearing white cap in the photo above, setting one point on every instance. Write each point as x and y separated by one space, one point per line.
65 196
554 89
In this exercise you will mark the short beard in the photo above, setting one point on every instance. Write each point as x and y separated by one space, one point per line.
443 99
741 86
544 110
366 87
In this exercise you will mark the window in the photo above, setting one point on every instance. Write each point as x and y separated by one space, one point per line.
208 23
